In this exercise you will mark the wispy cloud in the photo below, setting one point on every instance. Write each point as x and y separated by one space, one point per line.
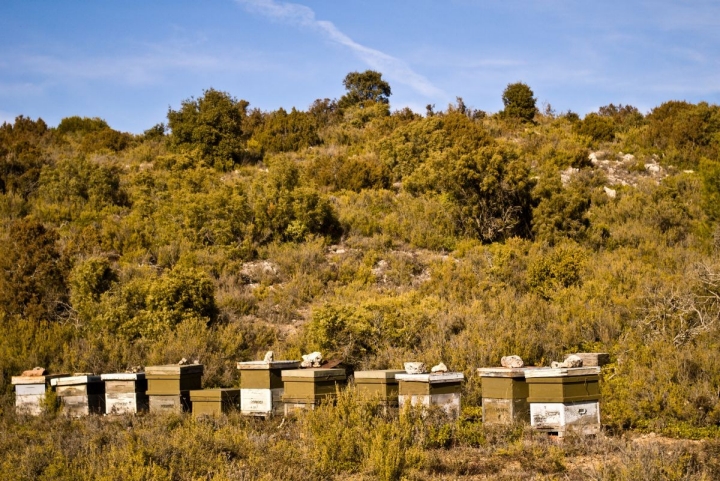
395 69
150 68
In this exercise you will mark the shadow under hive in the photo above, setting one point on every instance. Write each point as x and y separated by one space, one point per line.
305 388
30 392
504 395
169 386
380 386
262 386
125 393
214 402
80 395
434 389
564 399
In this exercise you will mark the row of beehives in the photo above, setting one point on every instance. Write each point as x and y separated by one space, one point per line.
266 388
554 400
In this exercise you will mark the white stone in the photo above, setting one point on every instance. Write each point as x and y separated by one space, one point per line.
314 359
571 361
269 356
415 367
612 193
439 368
512 361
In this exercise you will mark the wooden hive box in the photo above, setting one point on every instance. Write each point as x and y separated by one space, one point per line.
563 384
565 399
434 389
214 402
125 393
378 385
307 387
262 387
173 379
170 403
80 395
30 392
504 395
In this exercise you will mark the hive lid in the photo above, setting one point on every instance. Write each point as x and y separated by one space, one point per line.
123 376
171 369
74 380
432 378
314 374
505 371
36 379
562 372
388 374
262 365
218 394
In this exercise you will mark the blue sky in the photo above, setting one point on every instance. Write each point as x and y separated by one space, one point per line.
128 61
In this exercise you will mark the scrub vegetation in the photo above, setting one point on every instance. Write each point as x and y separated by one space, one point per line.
375 236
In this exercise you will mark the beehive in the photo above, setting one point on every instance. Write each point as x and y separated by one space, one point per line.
262 387
564 399
30 392
125 393
435 389
169 386
214 402
504 395
378 385
304 388
80 395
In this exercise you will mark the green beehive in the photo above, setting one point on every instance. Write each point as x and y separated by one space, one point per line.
441 389
308 387
563 385
504 395
262 387
380 385
169 386
173 379
214 402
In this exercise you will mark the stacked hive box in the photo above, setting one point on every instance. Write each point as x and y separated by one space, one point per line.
214 402
435 389
262 387
30 392
80 395
304 388
379 385
125 393
564 399
169 386
504 395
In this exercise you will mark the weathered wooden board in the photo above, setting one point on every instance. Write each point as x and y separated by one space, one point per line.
449 402
170 403
29 389
126 403
582 417
261 402
77 406
505 411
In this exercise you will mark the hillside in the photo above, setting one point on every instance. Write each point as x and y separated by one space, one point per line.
372 235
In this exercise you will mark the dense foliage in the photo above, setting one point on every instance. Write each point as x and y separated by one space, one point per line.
375 236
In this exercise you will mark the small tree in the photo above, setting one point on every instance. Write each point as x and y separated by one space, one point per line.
364 87
519 102
212 126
